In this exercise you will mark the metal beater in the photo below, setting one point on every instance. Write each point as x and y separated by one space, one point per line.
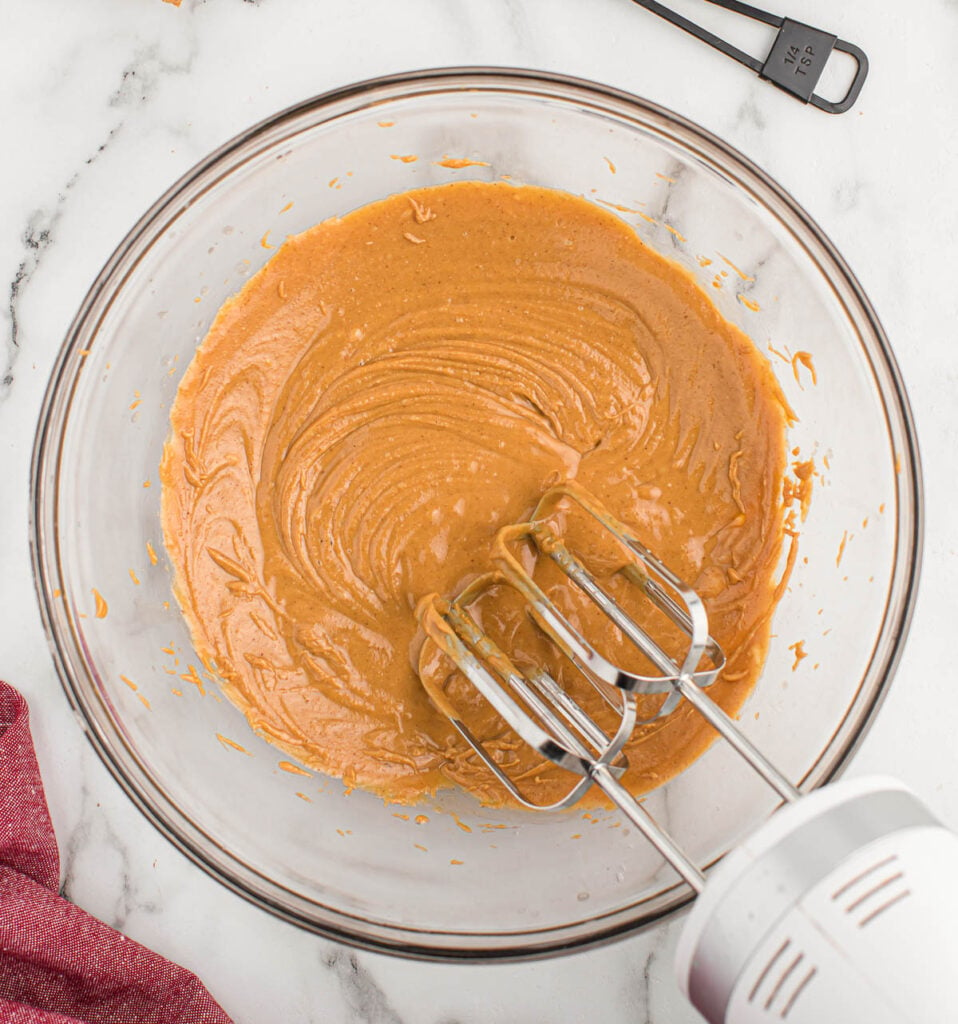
816 917
542 713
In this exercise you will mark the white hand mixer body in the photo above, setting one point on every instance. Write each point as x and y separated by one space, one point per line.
841 908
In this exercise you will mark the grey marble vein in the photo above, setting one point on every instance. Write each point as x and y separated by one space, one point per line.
661 203
96 837
522 37
647 986
90 840
140 79
146 72
848 193
76 840
37 236
365 999
750 114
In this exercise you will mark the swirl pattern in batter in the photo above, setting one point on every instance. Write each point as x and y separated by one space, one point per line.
393 387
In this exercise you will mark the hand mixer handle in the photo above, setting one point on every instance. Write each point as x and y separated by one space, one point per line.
841 908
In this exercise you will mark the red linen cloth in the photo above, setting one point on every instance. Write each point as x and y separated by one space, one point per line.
59 965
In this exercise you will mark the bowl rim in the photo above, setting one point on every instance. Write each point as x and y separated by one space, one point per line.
121 760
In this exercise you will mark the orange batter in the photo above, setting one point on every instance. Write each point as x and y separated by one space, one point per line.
393 387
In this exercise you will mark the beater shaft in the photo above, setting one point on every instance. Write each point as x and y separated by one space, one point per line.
739 742
647 825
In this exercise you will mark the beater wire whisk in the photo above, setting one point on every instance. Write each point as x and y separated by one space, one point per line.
542 712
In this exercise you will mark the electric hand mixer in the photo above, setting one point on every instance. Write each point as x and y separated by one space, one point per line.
842 907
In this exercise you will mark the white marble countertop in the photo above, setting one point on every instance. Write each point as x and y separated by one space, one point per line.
106 103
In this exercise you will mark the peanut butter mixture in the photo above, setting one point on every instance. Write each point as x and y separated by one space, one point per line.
396 385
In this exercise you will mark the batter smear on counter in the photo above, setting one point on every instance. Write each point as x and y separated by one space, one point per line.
393 387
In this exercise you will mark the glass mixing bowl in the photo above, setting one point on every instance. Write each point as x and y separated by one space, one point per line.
466 882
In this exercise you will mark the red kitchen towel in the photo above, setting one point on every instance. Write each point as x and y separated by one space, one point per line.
59 965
